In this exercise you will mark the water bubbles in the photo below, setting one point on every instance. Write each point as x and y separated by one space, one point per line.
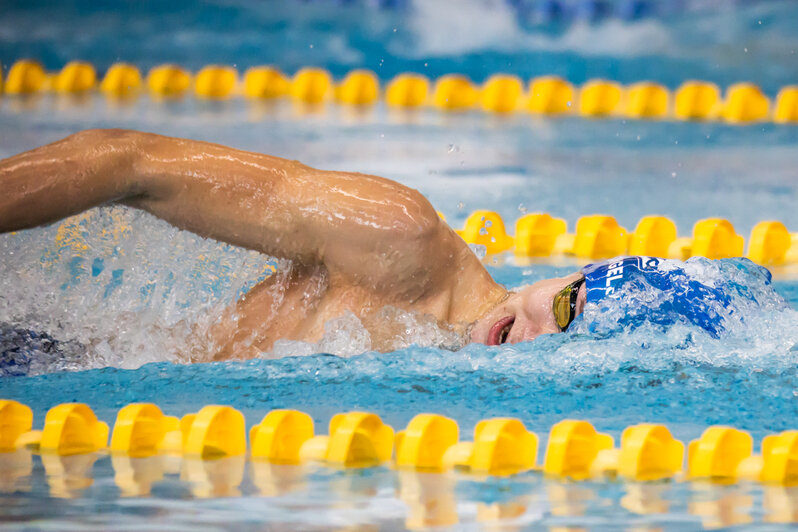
453 148
479 250
118 287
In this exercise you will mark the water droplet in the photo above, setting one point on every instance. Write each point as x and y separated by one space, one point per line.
460 205
488 223
453 148
479 250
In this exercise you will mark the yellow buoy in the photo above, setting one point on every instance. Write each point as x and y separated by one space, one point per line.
407 90
536 234
121 80
265 82
551 95
599 98
745 102
15 419
715 238
572 448
501 446
140 429
647 100
769 243
359 87
168 80
649 452
786 105
486 228
311 85
454 92
215 82
599 236
25 77
697 100
653 236
718 452
502 93
424 442
75 77
280 435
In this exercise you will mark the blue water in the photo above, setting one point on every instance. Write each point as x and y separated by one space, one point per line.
721 41
128 296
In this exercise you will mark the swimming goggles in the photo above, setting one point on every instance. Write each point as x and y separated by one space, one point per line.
564 305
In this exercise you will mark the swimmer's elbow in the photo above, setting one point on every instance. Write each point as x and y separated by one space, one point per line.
414 218
113 156
119 138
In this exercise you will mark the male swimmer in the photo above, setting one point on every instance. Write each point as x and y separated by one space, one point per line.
358 243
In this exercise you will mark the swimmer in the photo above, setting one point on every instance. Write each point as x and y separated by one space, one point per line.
357 243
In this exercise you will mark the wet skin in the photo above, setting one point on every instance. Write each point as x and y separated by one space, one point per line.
358 243
525 314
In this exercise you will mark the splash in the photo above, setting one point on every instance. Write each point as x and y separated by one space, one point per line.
118 287
390 329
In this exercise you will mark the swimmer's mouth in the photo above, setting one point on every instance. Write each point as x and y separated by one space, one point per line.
498 334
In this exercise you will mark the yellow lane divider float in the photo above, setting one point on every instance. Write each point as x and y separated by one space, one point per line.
501 93
600 236
500 446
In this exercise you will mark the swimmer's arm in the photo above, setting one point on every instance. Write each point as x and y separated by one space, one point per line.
371 229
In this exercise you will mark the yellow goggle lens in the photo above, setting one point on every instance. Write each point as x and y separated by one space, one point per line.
562 308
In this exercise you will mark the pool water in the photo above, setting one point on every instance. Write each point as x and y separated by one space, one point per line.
128 299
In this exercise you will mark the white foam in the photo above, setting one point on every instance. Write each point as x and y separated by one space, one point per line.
159 295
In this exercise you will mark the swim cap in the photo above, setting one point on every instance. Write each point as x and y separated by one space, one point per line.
665 292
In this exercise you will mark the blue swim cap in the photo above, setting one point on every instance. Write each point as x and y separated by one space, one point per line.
700 292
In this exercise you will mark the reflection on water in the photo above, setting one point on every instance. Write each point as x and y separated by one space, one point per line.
135 476
214 478
273 480
69 476
430 499
15 471
190 492
781 504
721 506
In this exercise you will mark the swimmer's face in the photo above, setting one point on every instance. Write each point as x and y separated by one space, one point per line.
525 314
